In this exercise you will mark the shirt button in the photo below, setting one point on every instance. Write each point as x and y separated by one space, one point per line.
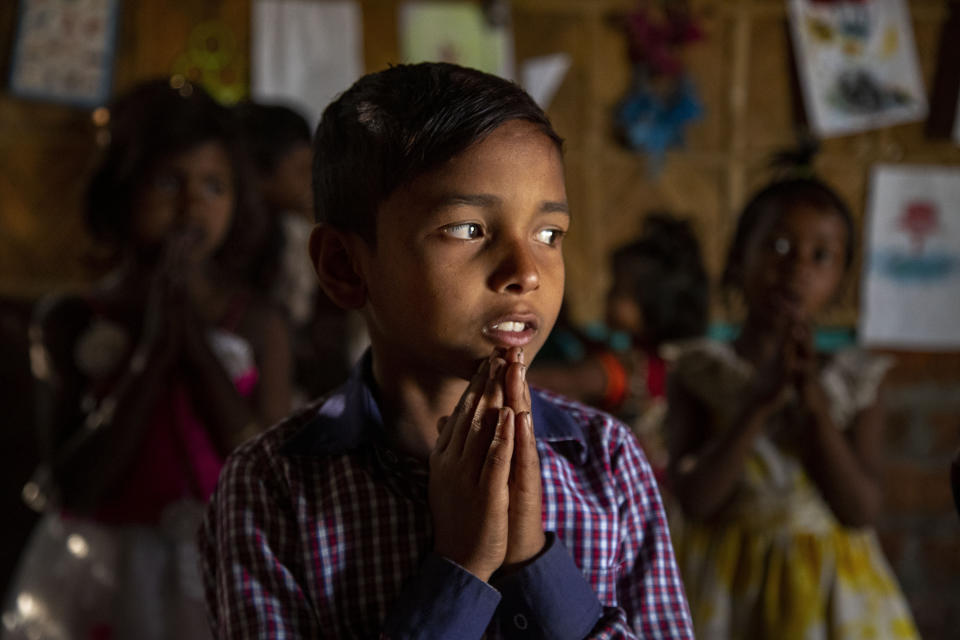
520 621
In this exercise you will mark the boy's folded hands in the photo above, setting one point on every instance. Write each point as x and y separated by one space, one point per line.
484 489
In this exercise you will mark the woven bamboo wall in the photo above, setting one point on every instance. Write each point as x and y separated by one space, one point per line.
744 76
742 71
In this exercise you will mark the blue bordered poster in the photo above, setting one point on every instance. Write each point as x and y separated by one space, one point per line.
63 51
911 273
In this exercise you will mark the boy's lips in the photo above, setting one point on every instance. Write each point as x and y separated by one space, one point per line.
513 330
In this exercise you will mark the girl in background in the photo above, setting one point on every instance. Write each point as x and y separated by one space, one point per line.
776 448
658 296
149 380
326 340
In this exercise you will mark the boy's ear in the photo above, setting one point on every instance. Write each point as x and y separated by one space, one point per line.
333 255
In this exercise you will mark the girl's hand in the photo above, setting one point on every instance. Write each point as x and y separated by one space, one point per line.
469 472
181 323
804 370
770 387
526 538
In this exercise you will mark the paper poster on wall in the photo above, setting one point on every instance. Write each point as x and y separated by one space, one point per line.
542 76
857 64
911 279
457 32
305 53
63 51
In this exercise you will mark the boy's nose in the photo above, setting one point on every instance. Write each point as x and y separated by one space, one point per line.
517 270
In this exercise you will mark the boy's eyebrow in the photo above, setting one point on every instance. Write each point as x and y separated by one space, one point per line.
485 200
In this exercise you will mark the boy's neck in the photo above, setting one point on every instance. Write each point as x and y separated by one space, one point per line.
412 403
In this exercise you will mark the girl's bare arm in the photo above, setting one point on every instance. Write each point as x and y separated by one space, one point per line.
845 466
705 467
230 417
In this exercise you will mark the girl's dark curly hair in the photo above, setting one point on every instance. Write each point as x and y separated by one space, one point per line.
149 123
665 273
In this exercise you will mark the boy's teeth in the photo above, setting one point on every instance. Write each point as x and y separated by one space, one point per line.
515 327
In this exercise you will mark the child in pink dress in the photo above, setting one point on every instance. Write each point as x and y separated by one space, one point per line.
148 380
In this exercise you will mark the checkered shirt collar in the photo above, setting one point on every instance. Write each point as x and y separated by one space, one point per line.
350 417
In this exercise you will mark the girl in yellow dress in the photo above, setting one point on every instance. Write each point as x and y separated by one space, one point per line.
776 449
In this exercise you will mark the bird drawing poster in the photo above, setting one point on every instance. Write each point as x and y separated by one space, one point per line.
857 64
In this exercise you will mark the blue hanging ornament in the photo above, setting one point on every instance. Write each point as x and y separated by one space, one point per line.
653 121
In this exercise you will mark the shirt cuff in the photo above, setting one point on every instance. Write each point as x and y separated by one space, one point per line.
548 598
443 601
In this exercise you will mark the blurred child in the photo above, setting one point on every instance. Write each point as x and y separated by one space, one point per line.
150 379
278 140
776 448
435 495
326 338
659 295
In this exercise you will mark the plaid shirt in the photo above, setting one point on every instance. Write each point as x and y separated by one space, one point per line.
318 530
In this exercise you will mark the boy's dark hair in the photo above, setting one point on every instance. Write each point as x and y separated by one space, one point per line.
665 273
395 125
799 187
153 121
270 131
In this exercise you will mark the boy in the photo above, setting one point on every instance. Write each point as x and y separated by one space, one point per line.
415 501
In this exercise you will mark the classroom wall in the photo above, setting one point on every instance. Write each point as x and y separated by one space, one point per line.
744 76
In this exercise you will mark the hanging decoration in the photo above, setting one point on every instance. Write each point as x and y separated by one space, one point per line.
662 99
214 61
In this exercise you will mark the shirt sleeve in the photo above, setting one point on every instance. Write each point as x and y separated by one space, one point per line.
548 598
443 600
650 595
249 546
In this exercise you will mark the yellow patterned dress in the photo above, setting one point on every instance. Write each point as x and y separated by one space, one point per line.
775 563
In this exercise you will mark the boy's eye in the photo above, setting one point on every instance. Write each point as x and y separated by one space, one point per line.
550 237
464 231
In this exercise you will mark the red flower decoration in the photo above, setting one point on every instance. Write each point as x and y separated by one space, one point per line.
919 219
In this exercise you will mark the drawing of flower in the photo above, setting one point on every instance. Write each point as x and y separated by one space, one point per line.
919 219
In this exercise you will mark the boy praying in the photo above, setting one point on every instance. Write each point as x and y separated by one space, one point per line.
436 494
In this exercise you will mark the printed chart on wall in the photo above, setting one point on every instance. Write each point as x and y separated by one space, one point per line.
457 32
857 64
911 283
63 51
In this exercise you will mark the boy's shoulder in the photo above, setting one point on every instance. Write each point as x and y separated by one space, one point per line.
598 432
583 434
265 452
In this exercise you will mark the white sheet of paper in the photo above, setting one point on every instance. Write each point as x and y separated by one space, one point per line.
305 53
857 64
911 278
543 75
